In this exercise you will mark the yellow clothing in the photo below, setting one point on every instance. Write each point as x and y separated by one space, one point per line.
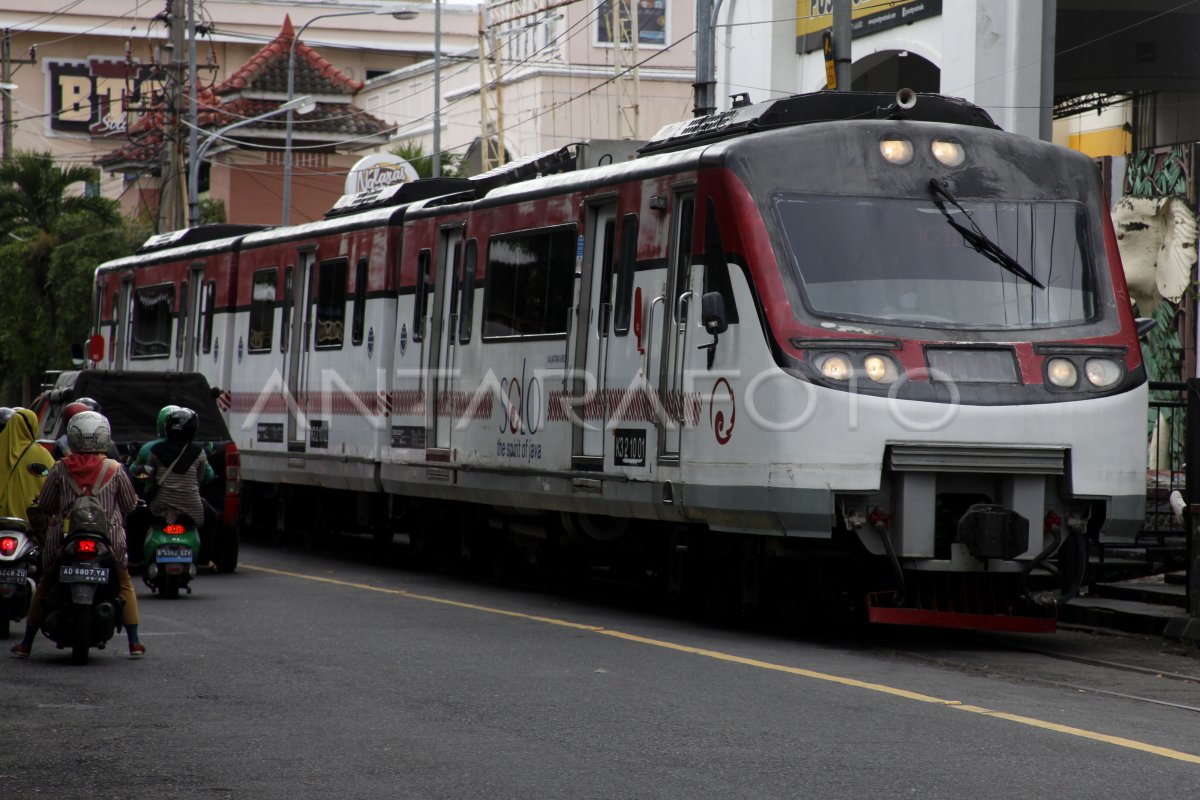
19 451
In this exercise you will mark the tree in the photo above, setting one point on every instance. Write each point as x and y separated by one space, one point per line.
51 239
414 153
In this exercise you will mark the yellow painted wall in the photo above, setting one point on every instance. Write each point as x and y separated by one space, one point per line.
1106 142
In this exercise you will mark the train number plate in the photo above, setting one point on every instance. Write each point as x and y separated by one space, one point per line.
629 447
13 574
173 555
69 574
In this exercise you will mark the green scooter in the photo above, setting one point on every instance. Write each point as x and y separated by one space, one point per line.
169 556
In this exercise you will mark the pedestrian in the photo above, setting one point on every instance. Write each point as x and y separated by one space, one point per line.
24 464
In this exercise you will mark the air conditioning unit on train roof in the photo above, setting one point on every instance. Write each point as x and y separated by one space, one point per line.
201 233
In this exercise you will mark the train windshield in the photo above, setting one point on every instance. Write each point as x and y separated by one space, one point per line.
903 260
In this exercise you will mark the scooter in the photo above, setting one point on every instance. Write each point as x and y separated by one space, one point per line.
20 562
84 607
169 557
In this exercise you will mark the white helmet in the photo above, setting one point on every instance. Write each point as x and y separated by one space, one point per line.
88 432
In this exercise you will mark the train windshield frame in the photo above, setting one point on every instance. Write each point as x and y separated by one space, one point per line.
900 260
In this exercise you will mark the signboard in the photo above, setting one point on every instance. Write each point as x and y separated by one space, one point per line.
652 21
814 17
377 171
95 96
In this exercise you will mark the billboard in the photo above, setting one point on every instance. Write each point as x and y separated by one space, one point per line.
814 17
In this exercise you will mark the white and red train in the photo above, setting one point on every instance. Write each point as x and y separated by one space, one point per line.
829 346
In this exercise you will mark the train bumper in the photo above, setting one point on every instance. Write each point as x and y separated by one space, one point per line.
1015 617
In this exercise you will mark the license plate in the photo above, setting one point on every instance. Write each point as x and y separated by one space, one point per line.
71 574
13 574
173 555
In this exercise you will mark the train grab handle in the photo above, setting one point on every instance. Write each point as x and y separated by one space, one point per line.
650 333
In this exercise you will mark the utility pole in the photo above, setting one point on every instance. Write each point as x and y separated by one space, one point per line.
193 112
704 90
627 74
172 197
842 31
6 90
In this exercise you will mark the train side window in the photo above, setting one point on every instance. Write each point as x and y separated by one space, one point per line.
181 320
625 269
606 276
98 314
285 315
716 265
151 324
112 327
424 259
331 304
262 310
467 307
360 302
210 309
530 281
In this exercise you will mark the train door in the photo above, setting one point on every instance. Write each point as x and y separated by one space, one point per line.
590 348
439 378
677 311
191 312
296 359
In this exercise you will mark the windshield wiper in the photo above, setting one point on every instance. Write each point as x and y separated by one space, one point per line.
976 238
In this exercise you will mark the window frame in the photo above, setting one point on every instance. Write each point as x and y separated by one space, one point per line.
136 317
342 264
626 270
270 310
550 231
358 316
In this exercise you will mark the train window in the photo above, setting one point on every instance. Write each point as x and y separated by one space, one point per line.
606 275
331 304
112 328
467 307
359 317
99 310
530 281
625 269
181 321
262 310
151 324
210 310
424 259
716 265
285 316
683 255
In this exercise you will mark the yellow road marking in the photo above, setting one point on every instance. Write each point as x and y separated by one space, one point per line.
1119 741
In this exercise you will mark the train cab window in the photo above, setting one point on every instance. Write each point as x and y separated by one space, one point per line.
530 282
424 260
467 307
181 320
606 277
285 316
151 325
626 265
98 312
359 316
112 327
331 304
716 265
210 310
262 311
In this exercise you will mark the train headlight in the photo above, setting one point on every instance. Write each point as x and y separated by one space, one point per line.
836 368
951 154
1062 373
880 369
896 151
1103 372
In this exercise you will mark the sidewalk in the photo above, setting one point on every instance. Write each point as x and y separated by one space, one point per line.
1155 604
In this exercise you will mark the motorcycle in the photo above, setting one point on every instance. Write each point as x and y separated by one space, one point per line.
20 562
84 607
169 557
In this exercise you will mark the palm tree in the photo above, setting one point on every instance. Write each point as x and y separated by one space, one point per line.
414 153
44 267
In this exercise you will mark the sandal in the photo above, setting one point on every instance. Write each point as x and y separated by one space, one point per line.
137 650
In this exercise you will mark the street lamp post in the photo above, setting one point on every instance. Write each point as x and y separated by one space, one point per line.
303 104
401 13
437 89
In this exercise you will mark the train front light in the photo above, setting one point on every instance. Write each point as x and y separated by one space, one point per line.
835 367
1103 372
880 369
951 154
896 151
1062 373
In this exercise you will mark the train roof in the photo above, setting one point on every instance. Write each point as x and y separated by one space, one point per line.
179 245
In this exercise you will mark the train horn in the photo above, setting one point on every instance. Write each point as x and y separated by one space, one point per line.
906 98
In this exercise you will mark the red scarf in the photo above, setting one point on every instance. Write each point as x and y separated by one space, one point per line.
84 468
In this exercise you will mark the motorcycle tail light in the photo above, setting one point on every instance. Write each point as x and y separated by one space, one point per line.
8 545
174 530
86 546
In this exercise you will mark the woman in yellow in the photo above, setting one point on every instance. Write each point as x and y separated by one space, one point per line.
24 464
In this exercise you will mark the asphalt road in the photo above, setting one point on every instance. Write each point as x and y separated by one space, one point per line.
310 676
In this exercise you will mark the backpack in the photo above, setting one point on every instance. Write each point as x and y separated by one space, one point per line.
86 513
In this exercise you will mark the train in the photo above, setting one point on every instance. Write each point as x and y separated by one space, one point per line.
840 350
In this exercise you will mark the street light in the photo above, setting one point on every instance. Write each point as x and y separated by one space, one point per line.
304 105
400 13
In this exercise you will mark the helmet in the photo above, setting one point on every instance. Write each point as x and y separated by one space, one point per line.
79 406
161 425
6 414
181 425
88 432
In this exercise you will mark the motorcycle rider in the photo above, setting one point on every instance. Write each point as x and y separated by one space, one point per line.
179 467
24 464
160 425
61 445
89 436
